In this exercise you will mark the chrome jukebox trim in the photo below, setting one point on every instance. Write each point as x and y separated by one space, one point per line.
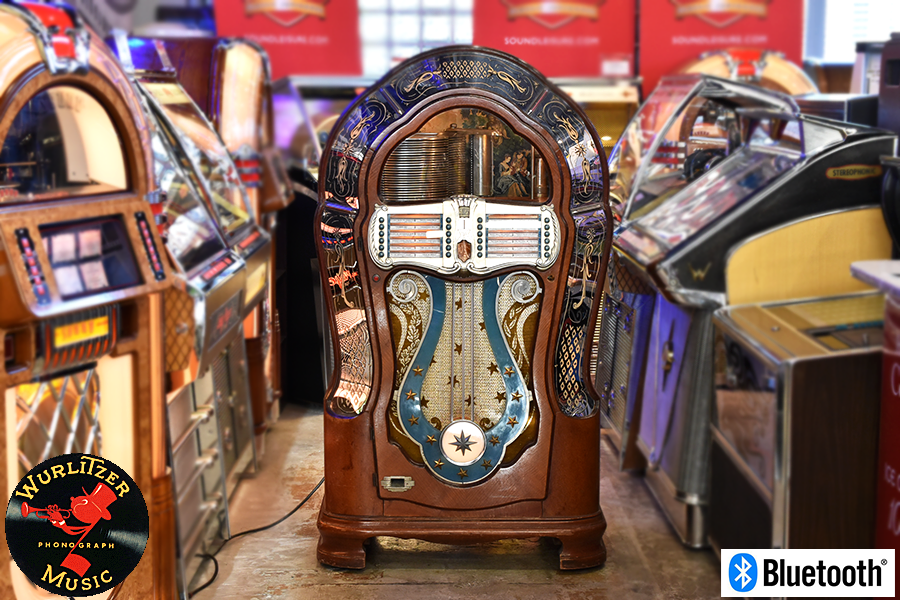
79 35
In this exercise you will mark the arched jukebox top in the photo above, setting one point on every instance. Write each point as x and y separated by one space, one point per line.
71 126
463 206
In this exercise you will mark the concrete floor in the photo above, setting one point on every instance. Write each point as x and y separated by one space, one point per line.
645 560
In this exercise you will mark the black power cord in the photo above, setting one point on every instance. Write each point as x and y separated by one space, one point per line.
248 532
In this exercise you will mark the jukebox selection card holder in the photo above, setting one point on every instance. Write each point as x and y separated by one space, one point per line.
81 274
462 215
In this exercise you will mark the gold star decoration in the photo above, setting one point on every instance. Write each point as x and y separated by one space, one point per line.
423 295
423 403
516 396
493 368
430 439
459 304
418 370
452 380
410 395
486 464
501 396
458 348
509 372
512 421
469 400
494 440
463 473
433 360
439 464
413 420
481 325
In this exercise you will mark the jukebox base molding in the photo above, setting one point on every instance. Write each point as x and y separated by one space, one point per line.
342 538
687 517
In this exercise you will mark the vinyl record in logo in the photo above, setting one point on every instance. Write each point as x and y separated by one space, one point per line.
77 525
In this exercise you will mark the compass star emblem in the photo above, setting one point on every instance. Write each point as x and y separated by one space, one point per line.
463 442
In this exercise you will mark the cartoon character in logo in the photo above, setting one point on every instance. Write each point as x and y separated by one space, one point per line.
90 509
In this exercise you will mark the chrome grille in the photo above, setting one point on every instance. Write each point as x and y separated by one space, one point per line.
59 416
616 338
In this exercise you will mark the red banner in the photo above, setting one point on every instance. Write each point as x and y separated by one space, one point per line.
673 32
561 38
302 37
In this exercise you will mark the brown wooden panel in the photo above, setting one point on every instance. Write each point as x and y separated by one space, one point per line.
835 403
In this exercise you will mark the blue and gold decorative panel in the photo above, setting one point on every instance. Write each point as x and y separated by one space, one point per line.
464 352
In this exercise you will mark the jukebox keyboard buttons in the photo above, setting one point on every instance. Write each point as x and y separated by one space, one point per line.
32 266
464 233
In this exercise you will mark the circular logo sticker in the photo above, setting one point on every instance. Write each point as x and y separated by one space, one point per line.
77 525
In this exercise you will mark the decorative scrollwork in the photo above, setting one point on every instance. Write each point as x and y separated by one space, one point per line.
526 288
403 289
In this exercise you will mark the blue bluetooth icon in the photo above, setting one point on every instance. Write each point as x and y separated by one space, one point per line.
742 572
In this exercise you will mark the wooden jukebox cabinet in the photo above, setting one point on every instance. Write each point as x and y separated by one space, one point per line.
462 214
230 80
81 275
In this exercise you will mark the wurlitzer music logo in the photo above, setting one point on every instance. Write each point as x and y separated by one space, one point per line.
808 573
721 13
553 13
286 12
90 546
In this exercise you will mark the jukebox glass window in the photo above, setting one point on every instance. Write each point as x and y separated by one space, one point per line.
701 135
205 149
61 143
242 90
90 257
189 230
672 142
639 137
465 151
746 171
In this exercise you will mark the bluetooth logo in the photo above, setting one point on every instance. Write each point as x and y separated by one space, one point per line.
742 572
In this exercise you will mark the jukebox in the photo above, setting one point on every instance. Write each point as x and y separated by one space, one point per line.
765 68
729 196
794 443
230 80
463 211
81 274
210 434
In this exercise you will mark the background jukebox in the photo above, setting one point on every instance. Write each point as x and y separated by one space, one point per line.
230 80
462 216
729 196
199 201
81 274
